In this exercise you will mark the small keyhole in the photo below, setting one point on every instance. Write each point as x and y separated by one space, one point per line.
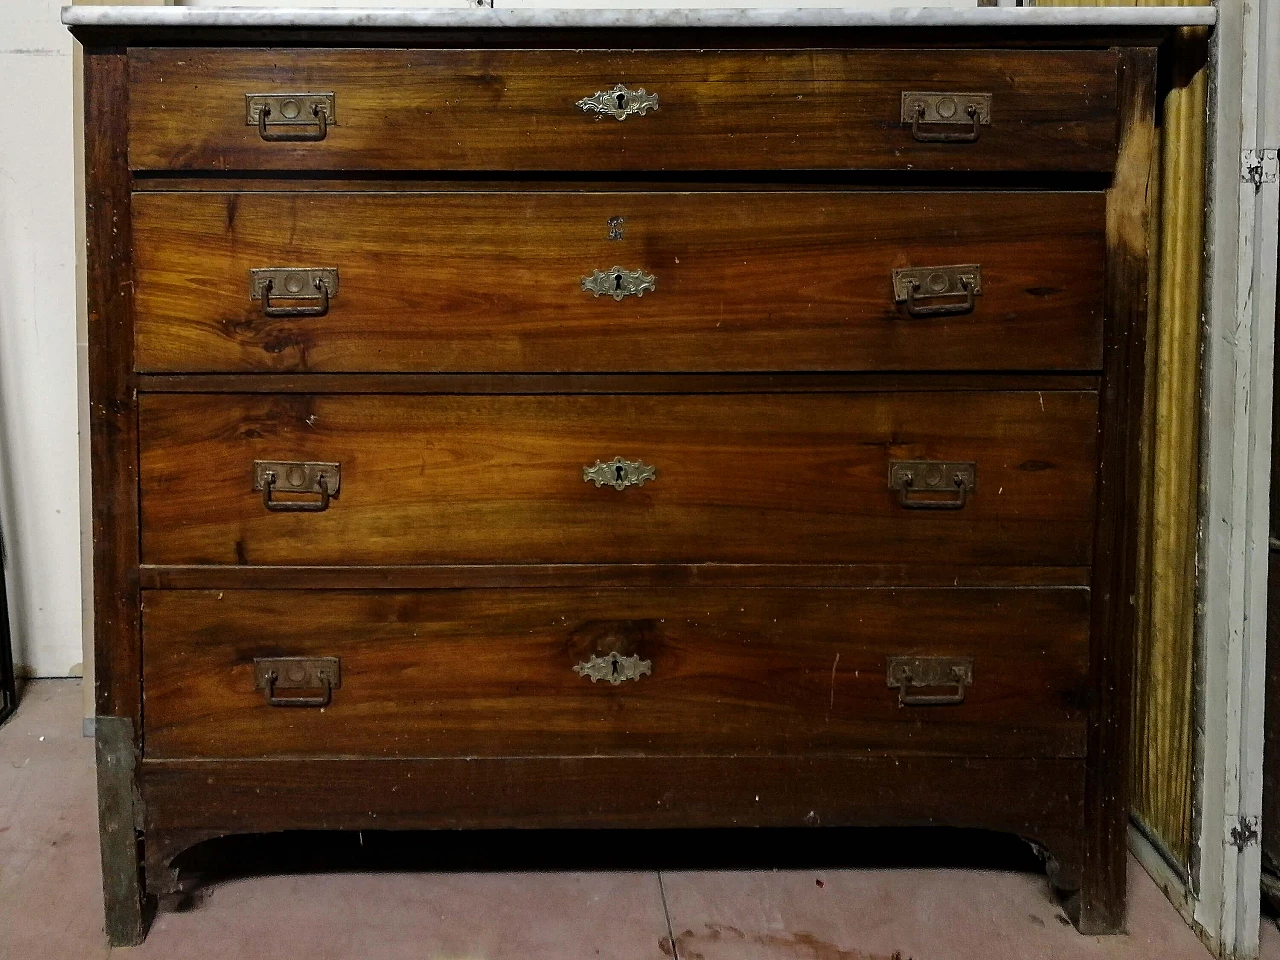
617 281
614 663
622 101
618 472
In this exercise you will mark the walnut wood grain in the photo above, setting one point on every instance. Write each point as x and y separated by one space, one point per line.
744 281
783 154
504 575
726 110
746 478
540 383
734 671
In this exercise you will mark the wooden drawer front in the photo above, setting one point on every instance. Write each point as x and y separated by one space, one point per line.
490 673
716 110
740 478
741 281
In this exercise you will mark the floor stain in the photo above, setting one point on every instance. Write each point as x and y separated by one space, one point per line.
801 943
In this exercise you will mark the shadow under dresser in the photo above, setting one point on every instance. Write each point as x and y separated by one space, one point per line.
587 427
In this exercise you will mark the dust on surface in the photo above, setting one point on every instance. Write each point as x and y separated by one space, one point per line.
690 945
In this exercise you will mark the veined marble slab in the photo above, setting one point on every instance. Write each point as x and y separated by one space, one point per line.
471 17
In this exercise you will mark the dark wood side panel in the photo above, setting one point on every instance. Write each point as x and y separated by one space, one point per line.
114 486
744 478
476 282
1100 906
732 672
112 402
718 110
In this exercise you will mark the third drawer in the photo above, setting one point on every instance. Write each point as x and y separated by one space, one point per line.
605 281
958 477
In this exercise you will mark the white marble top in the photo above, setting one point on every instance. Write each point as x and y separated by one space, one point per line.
921 16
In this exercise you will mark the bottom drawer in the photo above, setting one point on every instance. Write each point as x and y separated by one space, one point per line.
574 672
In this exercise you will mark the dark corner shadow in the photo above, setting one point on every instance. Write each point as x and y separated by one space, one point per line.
293 852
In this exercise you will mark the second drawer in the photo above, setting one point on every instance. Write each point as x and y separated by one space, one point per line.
958 477
545 281
251 673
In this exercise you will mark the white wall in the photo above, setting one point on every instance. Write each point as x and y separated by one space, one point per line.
39 453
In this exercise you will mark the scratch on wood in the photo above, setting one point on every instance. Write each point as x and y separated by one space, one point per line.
833 680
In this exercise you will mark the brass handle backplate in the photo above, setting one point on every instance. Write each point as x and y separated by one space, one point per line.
614 667
913 673
618 282
294 284
933 484
291 117
926 111
620 102
297 673
921 287
619 473
286 476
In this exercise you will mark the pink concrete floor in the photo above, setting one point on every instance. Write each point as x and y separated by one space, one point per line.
50 901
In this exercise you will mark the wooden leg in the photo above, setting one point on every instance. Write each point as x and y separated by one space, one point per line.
122 892
1077 891
1096 908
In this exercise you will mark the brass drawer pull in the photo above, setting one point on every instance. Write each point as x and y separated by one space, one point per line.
619 473
913 285
614 667
924 109
620 102
293 283
618 282
295 117
912 673
284 476
919 482
297 673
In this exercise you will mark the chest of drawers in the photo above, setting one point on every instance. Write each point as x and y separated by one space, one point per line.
589 429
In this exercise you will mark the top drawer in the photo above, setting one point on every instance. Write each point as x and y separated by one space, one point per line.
199 109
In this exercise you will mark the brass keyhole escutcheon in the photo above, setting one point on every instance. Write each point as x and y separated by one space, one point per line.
614 668
618 282
619 473
620 102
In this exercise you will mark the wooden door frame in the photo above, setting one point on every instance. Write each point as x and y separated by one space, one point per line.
1220 892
